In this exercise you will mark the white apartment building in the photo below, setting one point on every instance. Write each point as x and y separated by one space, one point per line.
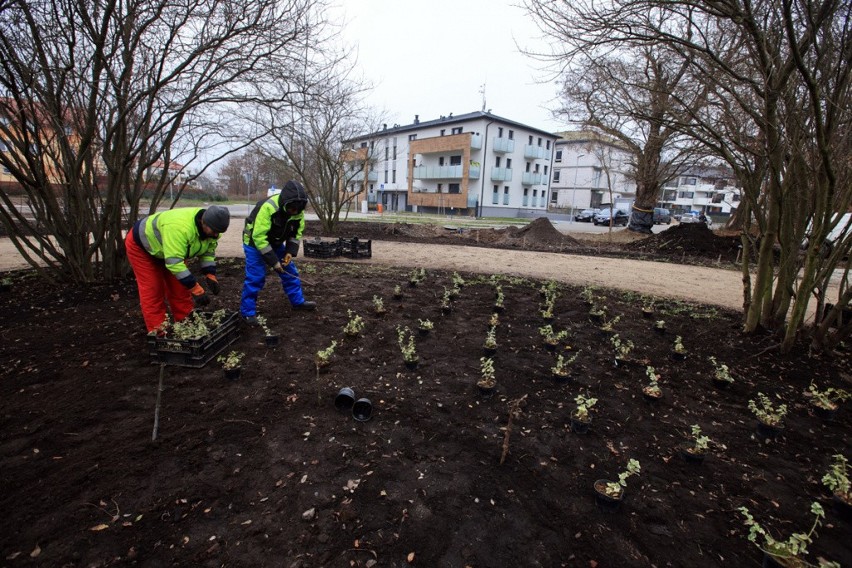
474 164
586 166
710 190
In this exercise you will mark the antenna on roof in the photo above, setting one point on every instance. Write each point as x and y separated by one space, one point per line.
482 92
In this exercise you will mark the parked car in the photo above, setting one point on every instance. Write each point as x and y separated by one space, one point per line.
695 217
620 218
586 215
662 216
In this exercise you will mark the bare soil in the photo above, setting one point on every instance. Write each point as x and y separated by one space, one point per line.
264 471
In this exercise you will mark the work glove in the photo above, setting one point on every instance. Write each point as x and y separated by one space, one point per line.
287 258
278 268
213 284
199 296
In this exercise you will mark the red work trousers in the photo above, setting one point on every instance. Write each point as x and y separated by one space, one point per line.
157 286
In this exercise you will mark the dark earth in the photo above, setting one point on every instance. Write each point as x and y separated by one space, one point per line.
259 472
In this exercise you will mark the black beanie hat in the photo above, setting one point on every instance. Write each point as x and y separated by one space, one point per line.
217 218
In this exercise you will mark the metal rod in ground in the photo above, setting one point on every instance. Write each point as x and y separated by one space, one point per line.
308 282
157 407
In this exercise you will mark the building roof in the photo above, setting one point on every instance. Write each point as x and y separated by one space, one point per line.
589 136
450 119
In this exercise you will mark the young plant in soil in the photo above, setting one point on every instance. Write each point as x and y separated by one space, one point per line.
597 313
405 339
491 339
500 298
678 347
615 489
766 412
562 368
446 301
458 281
837 480
792 551
648 309
379 306
322 359
354 326
425 326
828 399
494 320
660 326
416 276
609 326
721 374
551 337
487 381
582 413
652 390
622 348
232 360
699 445
588 295
397 292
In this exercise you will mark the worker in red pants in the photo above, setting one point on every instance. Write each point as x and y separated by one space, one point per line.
157 248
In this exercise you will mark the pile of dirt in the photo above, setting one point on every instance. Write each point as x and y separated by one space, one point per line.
692 239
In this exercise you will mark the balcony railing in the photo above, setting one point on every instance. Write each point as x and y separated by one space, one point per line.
503 145
501 174
535 152
444 172
531 178
476 142
371 176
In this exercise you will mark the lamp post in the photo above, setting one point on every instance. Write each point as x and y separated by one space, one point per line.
574 188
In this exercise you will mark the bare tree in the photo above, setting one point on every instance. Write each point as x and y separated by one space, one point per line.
777 77
94 95
626 91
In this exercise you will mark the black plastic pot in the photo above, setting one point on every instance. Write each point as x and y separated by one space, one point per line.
380 314
550 346
677 356
579 426
345 399
233 374
411 365
412 283
446 309
841 507
596 318
606 503
498 309
647 314
547 319
486 392
271 340
362 410
621 363
489 351
769 431
423 331
721 383
659 330
651 397
824 413
560 379
690 457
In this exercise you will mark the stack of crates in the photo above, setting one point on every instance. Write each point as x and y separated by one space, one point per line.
318 248
194 352
353 247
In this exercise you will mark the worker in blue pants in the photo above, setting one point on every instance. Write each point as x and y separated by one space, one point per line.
271 239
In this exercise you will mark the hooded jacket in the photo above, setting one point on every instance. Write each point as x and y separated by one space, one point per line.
269 225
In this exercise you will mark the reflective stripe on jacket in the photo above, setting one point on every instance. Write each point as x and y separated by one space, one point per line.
269 226
174 236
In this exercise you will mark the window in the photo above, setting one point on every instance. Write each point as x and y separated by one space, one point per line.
735 198
539 141
455 160
387 153
527 168
440 187
443 131
553 195
393 176
506 195
363 144
441 161
686 194
508 163
495 195
454 188
545 171
530 142
535 197
688 181
511 135
412 137
457 130
548 145
537 168
525 200
497 162
499 132
6 170
558 157
386 176
556 174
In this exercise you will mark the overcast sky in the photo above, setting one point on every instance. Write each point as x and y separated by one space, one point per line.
432 58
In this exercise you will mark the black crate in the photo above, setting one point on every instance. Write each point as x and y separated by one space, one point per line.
353 247
318 248
194 352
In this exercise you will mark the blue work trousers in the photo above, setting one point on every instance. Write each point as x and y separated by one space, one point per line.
256 277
